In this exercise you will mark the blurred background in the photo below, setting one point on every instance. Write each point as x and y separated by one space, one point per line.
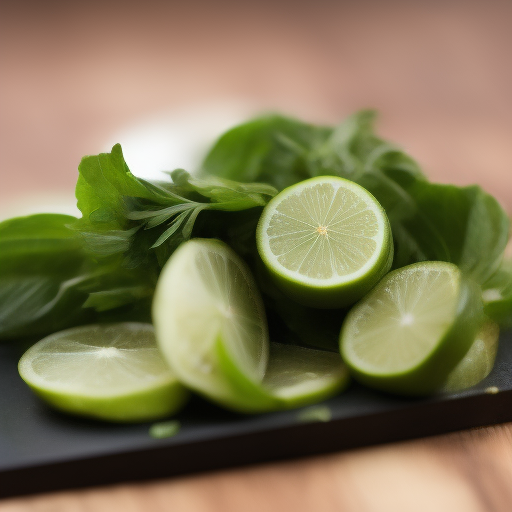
77 77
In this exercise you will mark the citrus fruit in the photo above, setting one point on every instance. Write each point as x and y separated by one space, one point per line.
326 241
212 328
478 361
112 372
410 331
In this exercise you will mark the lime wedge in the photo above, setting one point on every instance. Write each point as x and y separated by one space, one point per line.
478 361
112 372
326 241
410 331
211 327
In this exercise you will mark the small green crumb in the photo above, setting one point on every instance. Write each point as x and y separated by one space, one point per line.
492 390
164 429
319 413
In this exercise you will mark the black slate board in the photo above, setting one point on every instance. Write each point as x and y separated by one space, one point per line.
41 450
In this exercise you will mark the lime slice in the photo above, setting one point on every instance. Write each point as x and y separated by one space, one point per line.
478 361
296 376
326 241
412 329
301 376
112 372
211 327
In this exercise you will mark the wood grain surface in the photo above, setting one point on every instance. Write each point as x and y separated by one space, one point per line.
439 72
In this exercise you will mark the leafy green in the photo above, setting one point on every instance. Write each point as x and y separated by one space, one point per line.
462 225
57 271
39 263
48 282
132 226
429 221
271 149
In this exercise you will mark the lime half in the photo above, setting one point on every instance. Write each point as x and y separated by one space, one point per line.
326 241
112 372
211 327
410 331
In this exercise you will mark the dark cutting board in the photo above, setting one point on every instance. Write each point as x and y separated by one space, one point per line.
41 450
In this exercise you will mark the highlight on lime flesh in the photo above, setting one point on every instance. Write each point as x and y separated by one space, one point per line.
326 241
412 329
212 329
113 372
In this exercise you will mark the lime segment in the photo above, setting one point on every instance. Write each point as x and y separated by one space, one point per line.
113 372
409 332
326 241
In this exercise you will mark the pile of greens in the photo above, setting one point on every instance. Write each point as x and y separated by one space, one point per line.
57 271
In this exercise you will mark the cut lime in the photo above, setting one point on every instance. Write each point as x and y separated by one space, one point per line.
410 331
112 372
326 241
296 376
301 376
478 361
211 327
205 295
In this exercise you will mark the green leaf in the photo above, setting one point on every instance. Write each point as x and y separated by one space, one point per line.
105 300
40 260
176 224
103 182
41 233
272 149
227 194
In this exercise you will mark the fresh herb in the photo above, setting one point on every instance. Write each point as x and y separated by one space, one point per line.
49 282
41 265
57 271
145 221
462 225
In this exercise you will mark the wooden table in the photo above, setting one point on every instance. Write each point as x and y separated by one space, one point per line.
440 75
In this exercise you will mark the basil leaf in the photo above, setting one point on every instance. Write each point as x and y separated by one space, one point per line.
103 182
40 260
272 149
462 225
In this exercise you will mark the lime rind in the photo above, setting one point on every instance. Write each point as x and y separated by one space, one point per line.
440 341
296 377
150 404
112 372
478 361
326 241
